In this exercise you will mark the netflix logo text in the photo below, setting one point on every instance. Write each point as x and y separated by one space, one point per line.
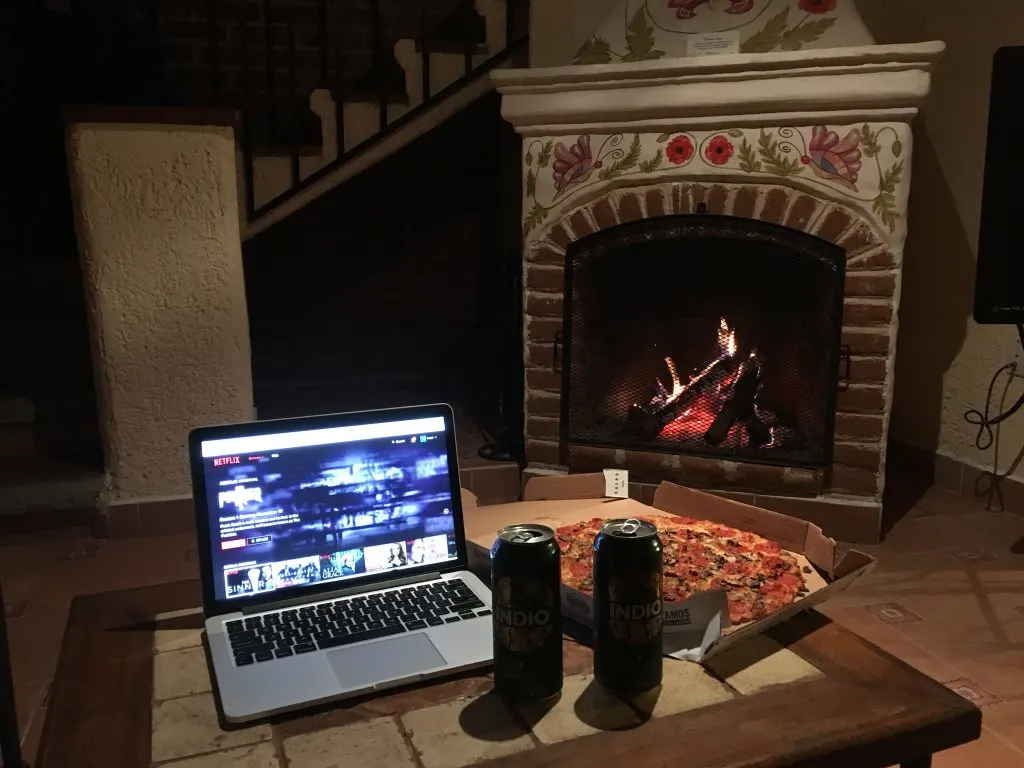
227 460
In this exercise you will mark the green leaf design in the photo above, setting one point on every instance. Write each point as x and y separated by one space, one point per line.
596 50
534 218
663 137
869 141
808 32
627 163
640 38
748 158
736 133
884 205
651 165
891 178
545 154
775 161
769 37
897 148
531 183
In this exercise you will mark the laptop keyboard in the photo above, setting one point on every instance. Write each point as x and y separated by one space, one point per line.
310 628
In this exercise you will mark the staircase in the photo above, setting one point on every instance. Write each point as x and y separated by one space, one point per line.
421 79
49 442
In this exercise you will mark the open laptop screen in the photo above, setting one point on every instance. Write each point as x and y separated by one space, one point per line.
299 508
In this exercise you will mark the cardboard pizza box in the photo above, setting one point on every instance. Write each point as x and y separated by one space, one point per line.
696 629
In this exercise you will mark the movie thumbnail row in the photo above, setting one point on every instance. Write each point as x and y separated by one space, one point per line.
336 565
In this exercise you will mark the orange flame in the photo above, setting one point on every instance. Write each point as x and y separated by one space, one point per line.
677 385
726 338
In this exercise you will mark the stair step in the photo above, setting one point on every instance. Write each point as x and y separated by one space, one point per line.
16 411
403 78
16 441
35 484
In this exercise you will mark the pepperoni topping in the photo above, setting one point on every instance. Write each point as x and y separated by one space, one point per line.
758 576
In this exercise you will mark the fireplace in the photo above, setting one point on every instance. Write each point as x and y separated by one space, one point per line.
707 335
712 252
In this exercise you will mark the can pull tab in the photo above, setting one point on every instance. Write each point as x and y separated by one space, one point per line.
630 527
523 536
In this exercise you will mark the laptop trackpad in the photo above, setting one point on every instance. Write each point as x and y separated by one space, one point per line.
399 657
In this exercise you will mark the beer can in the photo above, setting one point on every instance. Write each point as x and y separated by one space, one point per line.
525 592
628 622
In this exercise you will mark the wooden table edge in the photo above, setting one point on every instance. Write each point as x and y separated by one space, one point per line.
100 708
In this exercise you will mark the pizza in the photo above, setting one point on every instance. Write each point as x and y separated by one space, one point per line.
758 576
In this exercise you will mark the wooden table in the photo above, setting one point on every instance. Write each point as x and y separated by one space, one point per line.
861 707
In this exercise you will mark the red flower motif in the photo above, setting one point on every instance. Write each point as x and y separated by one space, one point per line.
817 6
719 150
679 150
687 9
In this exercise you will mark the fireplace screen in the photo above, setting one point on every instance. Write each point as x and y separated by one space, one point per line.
707 335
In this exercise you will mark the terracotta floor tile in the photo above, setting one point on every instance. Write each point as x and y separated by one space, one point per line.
989 751
1007 720
1000 672
124 564
939 501
891 613
973 692
890 638
86 550
976 618
994 531
27 697
30 739
35 641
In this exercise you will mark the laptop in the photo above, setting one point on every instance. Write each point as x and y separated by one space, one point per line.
333 557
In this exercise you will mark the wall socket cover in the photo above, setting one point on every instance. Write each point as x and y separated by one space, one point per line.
616 483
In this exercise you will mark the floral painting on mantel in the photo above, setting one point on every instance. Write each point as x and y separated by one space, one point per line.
641 30
862 164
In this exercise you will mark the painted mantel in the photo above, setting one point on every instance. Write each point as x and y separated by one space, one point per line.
815 138
834 122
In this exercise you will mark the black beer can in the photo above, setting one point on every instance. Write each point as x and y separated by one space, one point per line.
525 591
628 622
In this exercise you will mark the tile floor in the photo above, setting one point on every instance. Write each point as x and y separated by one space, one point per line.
947 596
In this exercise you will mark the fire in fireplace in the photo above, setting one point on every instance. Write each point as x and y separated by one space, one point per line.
706 335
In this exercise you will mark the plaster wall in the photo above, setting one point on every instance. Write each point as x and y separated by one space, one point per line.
157 217
945 360
559 27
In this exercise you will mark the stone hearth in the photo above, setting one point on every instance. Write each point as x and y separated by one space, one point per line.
813 140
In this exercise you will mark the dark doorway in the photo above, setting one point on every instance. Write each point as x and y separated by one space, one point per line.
401 286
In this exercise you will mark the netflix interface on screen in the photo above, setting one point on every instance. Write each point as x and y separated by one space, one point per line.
305 513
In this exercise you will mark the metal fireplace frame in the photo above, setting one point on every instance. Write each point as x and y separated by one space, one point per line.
674 227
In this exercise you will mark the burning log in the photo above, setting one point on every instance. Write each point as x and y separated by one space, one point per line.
648 421
759 426
758 432
740 405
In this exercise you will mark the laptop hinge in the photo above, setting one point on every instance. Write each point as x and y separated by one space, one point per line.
336 593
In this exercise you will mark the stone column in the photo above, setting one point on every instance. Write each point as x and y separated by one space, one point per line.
156 208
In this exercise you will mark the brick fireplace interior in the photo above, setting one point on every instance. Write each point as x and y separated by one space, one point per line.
702 335
712 264
801 281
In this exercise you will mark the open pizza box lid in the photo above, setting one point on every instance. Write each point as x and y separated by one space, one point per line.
696 629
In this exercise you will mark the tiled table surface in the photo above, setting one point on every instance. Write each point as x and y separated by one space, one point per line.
465 725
